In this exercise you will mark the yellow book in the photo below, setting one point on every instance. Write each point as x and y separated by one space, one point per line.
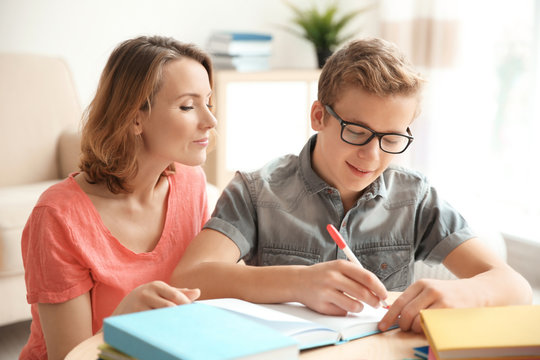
483 333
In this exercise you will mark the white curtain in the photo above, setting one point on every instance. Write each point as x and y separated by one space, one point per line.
427 31
476 137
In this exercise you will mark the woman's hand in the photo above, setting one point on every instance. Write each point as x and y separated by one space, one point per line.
337 287
153 295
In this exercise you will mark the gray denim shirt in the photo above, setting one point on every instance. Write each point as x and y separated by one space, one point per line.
278 216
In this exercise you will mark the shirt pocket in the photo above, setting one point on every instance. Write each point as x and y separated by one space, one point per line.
391 264
276 256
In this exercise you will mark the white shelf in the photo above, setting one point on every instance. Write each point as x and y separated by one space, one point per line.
261 115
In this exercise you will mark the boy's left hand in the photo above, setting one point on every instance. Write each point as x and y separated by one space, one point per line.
485 280
424 294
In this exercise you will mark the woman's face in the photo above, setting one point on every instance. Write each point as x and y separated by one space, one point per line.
177 127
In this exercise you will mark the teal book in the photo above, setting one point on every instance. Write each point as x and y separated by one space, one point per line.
195 332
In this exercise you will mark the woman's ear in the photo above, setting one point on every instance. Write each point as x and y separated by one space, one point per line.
137 124
317 116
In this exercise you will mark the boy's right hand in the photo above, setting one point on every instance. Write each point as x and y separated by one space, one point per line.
335 287
153 295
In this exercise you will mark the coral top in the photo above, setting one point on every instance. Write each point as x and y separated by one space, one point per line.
68 251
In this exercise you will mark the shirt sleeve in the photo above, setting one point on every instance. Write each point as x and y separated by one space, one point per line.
235 216
205 211
53 271
439 227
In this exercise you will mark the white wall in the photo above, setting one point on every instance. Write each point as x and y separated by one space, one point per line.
85 32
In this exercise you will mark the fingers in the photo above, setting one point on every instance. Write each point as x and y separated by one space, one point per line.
158 294
338 287
171 296
416 327
336 303
371 291
395 310
350 290
154 295
406 309
191 294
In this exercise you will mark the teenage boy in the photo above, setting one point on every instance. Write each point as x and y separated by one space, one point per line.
275 219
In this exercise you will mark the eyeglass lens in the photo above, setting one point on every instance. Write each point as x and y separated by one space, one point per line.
358 135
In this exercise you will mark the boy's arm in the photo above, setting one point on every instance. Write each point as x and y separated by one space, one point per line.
485 280
211 264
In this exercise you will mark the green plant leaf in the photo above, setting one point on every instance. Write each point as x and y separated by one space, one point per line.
323 28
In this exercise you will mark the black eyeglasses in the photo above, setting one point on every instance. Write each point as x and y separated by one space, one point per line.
356 134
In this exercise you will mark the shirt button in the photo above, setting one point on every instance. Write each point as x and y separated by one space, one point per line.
344 224
384 266
329 191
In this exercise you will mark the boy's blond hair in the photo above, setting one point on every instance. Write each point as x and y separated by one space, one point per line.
375 65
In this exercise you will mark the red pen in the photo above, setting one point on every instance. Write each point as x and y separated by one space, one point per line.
338 239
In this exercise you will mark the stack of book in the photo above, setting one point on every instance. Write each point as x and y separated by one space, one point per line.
192 332
503 332
240 51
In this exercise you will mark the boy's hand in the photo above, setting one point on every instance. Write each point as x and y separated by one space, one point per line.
335 287
426 294
153 295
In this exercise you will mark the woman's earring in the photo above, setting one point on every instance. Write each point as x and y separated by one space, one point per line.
138 128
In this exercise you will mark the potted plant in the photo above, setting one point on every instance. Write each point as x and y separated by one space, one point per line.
323 28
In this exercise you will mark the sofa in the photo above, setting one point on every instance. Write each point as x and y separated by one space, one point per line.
39 117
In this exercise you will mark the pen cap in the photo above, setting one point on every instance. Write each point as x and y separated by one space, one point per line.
336 236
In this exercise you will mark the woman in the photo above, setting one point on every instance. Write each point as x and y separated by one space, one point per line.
105 240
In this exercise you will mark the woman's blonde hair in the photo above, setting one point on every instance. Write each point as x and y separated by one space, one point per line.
375 65
129 82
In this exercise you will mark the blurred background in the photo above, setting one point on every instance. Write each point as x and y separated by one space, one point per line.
477 138
477 134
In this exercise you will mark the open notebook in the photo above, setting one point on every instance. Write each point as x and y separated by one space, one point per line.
309 328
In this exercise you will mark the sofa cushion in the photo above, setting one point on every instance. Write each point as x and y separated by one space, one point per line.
16 204
38 102
14 305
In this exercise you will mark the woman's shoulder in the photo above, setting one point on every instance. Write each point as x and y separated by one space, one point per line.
64 193
59 207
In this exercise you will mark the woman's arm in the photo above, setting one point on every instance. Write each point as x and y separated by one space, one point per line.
67 324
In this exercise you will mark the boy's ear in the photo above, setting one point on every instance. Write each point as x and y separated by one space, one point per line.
317 116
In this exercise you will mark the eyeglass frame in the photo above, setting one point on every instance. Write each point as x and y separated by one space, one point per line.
379 135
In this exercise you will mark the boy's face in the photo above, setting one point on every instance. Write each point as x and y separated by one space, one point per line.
351 168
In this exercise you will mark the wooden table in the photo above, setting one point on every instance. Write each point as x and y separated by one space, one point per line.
393 344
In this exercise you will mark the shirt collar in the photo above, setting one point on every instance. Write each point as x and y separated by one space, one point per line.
376 188
312 181
315 184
